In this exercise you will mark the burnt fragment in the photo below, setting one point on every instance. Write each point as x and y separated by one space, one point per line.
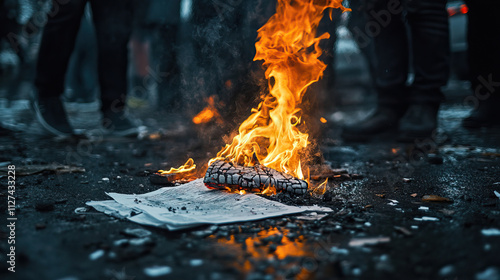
223 175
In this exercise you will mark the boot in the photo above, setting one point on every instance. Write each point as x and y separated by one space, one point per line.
419 122
384 120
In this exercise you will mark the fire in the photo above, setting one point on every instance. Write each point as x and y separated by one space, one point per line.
187 167
288 45
208 113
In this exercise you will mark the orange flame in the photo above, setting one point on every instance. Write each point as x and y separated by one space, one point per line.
321 189
289 47
187 167
208 113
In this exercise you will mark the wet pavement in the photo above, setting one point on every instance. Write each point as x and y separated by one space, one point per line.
380 227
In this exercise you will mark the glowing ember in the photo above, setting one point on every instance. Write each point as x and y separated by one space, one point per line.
323 120
187 167
208 113
287 43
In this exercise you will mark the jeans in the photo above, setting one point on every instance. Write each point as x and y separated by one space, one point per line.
410 32
112 20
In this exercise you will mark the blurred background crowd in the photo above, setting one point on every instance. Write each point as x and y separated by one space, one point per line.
176 56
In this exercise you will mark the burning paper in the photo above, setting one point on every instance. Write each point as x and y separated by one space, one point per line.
192 204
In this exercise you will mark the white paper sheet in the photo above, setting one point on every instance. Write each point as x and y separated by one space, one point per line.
192 204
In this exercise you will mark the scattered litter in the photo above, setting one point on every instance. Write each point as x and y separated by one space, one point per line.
81 210
407 180
313 216
403 230
381 195
160 209
490 232
425 218
447 212
340 251
137 232
414 227
105 179
140 241
413 195
195 262
488 274
497 194
157 271
423 208
120 242
357 242
96 255
446 271
393 202
435 198
368 224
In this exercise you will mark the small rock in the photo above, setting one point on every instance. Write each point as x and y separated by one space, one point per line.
96 255
157 271
491 273
446 271
195 262
105 179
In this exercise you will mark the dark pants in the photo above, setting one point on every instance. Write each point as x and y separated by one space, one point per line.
112 20
484 48
410 33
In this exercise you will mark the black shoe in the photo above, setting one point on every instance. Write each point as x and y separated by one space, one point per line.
51 114
486 115
419 122
383 120
119 124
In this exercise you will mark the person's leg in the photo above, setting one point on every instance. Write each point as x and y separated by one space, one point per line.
428 21
113 22
484 62
58 41
386 27
57 44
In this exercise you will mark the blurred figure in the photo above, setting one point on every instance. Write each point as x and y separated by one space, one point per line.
81 79
112 20
398 28
484 61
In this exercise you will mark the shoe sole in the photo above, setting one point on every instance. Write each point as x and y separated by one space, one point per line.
44 124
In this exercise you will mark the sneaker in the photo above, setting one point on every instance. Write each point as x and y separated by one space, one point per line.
51 114
119 124
419 122
383 120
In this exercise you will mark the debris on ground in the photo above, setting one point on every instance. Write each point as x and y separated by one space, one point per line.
193 204
357 242
435 198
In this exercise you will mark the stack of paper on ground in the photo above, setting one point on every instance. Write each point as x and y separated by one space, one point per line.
192 204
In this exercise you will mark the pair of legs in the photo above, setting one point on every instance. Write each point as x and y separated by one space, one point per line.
112 21
406 35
